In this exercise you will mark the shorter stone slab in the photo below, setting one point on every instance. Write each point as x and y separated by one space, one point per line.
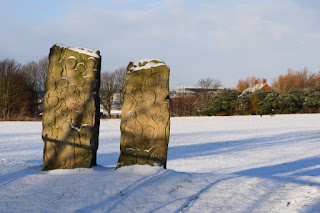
145 118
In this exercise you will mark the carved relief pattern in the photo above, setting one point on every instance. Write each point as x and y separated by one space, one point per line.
71 108
145 119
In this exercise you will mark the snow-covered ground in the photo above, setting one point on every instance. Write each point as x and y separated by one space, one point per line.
215 164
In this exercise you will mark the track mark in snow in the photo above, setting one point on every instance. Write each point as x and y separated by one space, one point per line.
193 198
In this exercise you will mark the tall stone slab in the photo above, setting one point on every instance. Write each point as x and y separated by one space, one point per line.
145 118
71 116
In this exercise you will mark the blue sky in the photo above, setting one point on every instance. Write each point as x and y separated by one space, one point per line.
228 40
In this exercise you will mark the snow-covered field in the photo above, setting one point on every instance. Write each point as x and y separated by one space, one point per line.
215 164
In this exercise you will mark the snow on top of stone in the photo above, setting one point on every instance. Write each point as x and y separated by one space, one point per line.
81 50
146 64
85 51
61 45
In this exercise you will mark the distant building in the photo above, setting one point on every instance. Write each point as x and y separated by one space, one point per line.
116 102
116 107
187 100
258 87
103 111
192 90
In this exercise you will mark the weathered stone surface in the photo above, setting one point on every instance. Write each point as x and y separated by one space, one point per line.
71 115
145 118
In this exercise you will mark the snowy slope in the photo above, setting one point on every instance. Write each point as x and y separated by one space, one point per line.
215 164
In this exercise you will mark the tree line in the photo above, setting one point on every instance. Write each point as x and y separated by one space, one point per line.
298 91
230 102
19 87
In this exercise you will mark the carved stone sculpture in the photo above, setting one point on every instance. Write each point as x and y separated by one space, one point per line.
145 118
71 116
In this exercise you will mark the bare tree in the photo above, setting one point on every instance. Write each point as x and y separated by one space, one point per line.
209 83
108 88
35 77
120 80
15 92
36 73
30 71
295 79
19 86
207 87
43 66
8 69
183 105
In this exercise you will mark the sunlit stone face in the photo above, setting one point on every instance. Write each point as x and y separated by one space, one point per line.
71 108
145 120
